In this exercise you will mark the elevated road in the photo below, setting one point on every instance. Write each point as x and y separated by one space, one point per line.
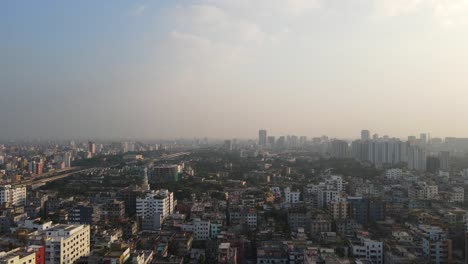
52 176
60 174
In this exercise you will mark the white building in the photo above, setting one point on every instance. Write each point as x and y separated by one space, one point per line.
199 228
291 197
35 224
334 182
435 245
366 248
67 160
402 236
324 197
251 218
65 244
18 256
155 205
417 158
393 174
276 191
457 195
13 195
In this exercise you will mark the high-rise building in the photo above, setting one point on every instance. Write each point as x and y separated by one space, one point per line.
166 173
262 137
67 160
227 144
65 244
84 214
367 248
433 164
39 167
271 141
423 138
12 195
365 135
154 208
92 147
435 244
280 143
416 158
339 149
444 157
145 186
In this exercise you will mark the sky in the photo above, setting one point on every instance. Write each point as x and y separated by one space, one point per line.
226 68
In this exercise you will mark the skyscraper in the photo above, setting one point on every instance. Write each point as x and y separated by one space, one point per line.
92 147
271 141
365 135
67 160
262 137
145 186
423 138
416 158
444 157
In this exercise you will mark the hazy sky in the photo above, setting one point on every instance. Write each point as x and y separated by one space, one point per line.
225 68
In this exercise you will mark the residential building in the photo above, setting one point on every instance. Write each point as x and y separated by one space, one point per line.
65 244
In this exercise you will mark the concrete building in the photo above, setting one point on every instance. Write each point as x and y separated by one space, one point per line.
154 207
444 157
291 197
84 214
199 228
457 195
436 247
417 158
92 147
65 244
365 135
227 254
366 248
393 174
12 195
18 256
262 137
339 149
166 173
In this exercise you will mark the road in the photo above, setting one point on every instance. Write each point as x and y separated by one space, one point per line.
52 176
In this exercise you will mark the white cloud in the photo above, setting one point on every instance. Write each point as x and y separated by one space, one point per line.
451 13
138 10
447 13
299 7
397 7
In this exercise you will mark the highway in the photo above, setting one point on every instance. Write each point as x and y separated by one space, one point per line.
52 176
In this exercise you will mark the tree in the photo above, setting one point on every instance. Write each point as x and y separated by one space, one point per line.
201 259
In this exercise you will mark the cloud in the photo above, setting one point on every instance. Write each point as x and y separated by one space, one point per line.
138 10
451 13
244 23
299 7
447 13
393 8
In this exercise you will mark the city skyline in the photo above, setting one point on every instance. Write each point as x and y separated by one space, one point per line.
140 69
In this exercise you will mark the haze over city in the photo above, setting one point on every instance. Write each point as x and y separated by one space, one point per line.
161 69
234 132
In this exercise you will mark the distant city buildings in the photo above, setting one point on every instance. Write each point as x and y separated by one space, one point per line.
262 138
365 135
92 147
